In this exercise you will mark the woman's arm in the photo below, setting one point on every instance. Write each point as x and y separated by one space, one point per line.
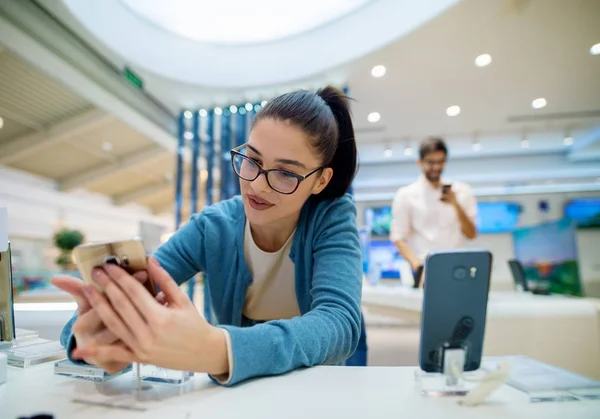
182 256
329 332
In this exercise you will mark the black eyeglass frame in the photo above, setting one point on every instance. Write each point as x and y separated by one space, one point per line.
301 178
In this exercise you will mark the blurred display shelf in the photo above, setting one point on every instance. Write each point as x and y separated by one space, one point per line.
43 295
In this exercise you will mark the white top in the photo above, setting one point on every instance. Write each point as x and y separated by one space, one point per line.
332 392
272 295
425 222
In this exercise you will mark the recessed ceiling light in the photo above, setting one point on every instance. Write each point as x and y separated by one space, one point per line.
188 135
374 117
483 60
568 140
539 103
453 110
233 109
408 151
187 115
524 143
595 49
203 112
263 103
106 146
1 122
248 106
218 111
388 152
476 146
378 71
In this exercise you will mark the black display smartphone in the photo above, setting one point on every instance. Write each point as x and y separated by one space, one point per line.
7 314
446 188
454 307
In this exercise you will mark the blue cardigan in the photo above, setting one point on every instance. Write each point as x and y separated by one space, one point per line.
328 274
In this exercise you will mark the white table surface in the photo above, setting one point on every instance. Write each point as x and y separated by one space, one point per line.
331 392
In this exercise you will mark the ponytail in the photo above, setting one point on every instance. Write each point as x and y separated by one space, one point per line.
344 160
325 119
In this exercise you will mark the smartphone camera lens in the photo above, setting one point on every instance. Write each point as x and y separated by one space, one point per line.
124 260
460 273
113 260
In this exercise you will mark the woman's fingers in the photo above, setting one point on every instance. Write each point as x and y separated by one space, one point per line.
73 286
115 353
168 286
103 337
87 323
109 317
125 286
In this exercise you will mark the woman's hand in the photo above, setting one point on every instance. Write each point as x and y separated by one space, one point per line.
88 329
173 335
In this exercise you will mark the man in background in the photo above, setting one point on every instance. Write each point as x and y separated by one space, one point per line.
432 213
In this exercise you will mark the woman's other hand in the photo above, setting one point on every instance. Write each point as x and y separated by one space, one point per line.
88 329
170 335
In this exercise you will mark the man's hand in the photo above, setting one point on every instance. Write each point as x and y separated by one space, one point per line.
449 197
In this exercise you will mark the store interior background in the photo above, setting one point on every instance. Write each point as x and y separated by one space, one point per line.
81 148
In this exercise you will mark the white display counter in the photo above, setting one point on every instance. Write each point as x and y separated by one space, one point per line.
560 331
332 392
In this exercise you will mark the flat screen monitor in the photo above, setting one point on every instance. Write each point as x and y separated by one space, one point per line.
584 211
378 220
385 254
497 217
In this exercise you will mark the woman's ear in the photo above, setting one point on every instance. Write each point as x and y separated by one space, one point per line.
323 180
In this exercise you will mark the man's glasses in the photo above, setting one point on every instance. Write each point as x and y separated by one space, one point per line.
282 181
434 162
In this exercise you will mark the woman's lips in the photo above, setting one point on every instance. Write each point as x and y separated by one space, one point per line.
258 203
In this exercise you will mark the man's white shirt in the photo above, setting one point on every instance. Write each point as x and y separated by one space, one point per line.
420 218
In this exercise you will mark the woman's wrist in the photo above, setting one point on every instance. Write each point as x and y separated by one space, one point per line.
218 359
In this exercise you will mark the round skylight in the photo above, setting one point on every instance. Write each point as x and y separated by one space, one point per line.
240 21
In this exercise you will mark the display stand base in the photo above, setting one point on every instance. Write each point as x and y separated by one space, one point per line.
33 351
451 381
153 374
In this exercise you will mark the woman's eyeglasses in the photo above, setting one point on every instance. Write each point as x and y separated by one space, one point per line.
282 181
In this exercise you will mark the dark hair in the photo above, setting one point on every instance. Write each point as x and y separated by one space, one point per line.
431 145
324 117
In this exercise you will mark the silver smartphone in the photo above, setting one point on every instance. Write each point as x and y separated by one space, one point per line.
7 314
454 307
129 254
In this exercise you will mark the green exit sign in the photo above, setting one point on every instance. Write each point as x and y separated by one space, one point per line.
133 78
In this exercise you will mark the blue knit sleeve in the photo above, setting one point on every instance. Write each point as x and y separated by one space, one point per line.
182 256
329 332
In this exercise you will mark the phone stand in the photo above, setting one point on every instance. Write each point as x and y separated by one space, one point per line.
154 374
450 382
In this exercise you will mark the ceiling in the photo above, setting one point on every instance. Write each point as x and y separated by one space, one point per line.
539 48
50 131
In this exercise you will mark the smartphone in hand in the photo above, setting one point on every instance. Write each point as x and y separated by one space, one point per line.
129 254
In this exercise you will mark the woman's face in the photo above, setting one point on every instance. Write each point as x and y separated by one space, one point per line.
279 145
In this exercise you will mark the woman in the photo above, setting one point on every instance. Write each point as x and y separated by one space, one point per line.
283 258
